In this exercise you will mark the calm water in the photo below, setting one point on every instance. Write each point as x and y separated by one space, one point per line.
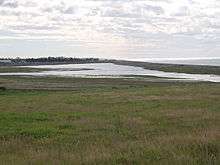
110 70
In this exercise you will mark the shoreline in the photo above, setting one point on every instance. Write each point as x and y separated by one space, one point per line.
177 68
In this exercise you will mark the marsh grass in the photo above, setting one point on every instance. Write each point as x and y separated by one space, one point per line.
112 123
15 69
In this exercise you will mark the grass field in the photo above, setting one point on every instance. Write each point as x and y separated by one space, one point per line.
108 121
14 69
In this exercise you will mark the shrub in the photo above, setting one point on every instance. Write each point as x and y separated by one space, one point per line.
2 88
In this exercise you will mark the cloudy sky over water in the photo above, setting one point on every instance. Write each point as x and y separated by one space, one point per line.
110 28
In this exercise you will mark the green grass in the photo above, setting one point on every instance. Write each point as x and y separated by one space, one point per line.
191 69
10 69
110 122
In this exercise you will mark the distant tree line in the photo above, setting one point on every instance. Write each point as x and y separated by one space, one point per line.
48 60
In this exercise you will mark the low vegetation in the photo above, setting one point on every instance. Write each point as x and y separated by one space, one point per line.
9 69
191 69
108 121
47 61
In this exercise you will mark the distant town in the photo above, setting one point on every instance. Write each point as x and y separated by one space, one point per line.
48 61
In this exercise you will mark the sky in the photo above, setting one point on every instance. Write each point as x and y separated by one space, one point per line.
119 29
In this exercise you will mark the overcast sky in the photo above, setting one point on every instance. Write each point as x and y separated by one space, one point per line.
110 28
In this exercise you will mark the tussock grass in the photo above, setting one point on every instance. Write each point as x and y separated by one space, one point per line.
112 123
14 69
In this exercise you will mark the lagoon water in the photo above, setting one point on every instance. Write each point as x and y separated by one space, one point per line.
109 70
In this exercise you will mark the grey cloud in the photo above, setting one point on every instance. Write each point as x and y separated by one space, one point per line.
156 9
69 10
47 9
9 13
183 11
216 26
33 27
168 1
118 13
30 4
9 3
94 11
17 13
65 9
136 12
123 18
192 2
61 7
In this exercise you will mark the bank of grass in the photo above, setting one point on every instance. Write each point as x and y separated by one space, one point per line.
62 83
16 69
191 69
102 121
